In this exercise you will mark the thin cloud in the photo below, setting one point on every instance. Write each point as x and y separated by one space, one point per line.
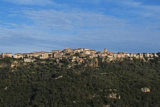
31 2
75 27
61 25
138 7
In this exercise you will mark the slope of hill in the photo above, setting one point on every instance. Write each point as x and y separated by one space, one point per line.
47 83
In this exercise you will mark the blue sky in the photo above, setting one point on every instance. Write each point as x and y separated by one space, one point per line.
44 25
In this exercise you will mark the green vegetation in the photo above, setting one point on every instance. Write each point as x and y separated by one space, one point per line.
46 83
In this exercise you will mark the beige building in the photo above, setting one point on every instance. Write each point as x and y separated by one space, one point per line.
141 56
44 55
34 54
93 52
57 55
155 55
87 52
6 55
67 50
78 50
17 56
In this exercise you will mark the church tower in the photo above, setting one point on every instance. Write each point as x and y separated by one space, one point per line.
105 50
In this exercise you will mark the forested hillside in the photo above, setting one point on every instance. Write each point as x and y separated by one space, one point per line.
45 83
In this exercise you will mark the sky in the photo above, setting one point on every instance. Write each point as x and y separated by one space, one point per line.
45 25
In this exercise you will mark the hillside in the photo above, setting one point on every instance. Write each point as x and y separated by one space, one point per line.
127 83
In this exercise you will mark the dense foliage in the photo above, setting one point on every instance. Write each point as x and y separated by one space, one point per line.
44 83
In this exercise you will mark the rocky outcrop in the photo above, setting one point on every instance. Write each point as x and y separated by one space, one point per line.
114 96
145 90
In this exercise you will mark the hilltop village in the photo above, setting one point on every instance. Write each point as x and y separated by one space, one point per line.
80 77
79 55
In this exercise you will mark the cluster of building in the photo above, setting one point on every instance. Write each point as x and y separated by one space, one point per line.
79 54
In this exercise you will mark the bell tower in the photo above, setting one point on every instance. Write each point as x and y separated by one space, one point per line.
105 50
